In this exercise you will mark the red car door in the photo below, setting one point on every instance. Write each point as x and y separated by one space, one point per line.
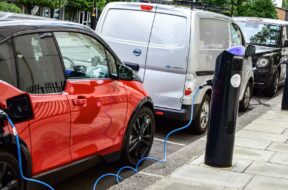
98 103
41 74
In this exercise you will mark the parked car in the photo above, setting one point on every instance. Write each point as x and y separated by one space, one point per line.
175 50
73 101
270 37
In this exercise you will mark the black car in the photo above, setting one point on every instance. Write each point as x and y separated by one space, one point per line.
270 37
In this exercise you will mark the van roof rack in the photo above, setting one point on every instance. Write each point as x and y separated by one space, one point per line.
192 4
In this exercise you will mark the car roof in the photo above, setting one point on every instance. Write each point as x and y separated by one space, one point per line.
260 20
11 23
162 7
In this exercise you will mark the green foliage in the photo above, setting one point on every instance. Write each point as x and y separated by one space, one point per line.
7 7
80 5
44 3
258 8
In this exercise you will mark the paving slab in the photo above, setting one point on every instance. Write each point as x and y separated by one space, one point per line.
251 143
279 147
265 128
261 136
275 118
267 183
282 113
252 154
268 169
280 158
208 175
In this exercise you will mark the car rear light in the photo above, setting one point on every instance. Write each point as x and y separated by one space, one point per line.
146 7
159 113
189 84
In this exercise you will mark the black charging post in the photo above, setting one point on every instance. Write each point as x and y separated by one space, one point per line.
224 107
285 91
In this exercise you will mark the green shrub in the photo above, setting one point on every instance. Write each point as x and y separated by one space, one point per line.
7 7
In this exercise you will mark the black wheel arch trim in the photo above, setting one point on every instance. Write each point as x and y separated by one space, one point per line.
8 143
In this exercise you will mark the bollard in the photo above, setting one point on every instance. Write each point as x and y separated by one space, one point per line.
224 108
284 105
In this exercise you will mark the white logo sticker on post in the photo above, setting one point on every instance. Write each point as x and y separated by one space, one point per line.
235 80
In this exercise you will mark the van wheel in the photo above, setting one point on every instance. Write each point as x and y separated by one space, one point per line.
9 172
202 118
272 90
139 136
244 103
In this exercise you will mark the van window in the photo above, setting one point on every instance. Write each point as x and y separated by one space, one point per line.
40 69
214 34
128 25
7 65
168 30
236 36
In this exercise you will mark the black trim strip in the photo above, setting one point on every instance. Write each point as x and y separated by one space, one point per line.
204 73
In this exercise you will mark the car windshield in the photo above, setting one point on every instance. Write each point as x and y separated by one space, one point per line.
261 34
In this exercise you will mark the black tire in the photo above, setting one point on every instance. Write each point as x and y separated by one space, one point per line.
272 90
200 123
9 172
139 136
244 103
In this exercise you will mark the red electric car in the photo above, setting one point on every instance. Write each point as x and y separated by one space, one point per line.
72 100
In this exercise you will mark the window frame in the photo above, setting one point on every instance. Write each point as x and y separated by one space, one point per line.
105 47
24 33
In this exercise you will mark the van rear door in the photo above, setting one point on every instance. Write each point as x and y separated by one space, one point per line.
127 28
167 58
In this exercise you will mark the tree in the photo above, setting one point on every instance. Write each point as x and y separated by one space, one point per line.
259 8
77 5
29 4
7 7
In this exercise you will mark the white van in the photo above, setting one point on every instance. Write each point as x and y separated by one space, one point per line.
175 49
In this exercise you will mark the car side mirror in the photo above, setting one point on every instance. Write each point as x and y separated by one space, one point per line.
250 51
19 108
285 43
125 73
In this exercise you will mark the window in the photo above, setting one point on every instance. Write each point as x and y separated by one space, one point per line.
236 36
214 34
128 25
40 69
7 65
83 56
112 63
169 30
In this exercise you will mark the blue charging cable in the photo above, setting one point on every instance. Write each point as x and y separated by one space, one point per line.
2 113
117 175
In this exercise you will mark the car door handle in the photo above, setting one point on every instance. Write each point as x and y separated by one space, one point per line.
80 101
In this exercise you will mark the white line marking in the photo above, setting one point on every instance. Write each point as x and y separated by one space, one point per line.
152 175
170 142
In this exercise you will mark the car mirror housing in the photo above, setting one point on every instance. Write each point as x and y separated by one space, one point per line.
250 51
126 73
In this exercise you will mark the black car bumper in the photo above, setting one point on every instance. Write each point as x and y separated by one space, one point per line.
180 115
263 78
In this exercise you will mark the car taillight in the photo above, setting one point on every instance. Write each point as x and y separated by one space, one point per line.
146 7
189 84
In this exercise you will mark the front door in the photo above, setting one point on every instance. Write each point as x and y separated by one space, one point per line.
41 74
98 103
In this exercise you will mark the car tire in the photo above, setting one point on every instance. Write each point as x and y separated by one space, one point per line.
9 172
139 136
272 90
201 122
244 103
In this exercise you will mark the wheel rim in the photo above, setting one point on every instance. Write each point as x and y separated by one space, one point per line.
8 176
276 84
247 96
204 115
140 138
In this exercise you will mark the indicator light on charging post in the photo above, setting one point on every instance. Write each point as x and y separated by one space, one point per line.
146 7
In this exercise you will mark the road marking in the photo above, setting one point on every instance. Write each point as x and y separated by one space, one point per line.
152 175
170 142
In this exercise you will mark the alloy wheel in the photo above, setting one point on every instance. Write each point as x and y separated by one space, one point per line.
8 176
204 115
140 137
247 96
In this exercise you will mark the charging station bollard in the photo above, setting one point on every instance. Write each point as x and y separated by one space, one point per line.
224 107
284 105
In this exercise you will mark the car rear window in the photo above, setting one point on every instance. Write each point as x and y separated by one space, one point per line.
128 25
7 64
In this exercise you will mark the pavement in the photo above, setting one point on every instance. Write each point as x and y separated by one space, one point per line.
260 160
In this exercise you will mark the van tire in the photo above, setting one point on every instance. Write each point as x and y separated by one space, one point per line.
201 122
10 163
244 103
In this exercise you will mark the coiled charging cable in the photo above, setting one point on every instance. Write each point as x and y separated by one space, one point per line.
3 114
117 175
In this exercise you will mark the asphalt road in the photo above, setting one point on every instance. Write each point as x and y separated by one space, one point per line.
85 180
